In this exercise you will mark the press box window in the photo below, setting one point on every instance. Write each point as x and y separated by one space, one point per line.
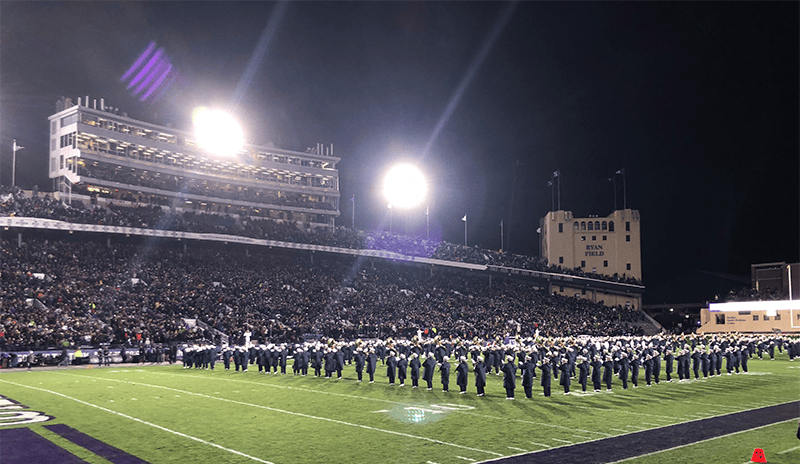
560 227
560 260
627 238
583 263
627 226
628 266
605 263
755 318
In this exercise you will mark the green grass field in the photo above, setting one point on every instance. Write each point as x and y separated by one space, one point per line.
166 414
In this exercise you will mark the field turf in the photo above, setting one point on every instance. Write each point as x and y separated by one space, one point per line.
167 414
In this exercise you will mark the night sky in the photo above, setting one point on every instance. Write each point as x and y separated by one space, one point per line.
698 102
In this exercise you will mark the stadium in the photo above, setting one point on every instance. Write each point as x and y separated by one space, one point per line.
178 295
113 283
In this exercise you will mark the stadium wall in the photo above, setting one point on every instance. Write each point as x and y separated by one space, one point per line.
751 317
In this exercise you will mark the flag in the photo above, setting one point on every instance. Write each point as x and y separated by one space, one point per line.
501 223
550 183
353 200
464 218
610 179
17 147
556 173
621 171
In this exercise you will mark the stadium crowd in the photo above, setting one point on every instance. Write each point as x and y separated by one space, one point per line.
84 292
16 203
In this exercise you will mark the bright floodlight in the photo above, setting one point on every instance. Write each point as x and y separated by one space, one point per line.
217 132
405 186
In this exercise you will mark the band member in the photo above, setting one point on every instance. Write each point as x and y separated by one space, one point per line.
480 375
509 377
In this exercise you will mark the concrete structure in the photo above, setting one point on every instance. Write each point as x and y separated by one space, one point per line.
609 245
782 278
97 152
775 316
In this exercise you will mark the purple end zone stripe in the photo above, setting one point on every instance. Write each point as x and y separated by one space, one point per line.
24 446
650 441
104 450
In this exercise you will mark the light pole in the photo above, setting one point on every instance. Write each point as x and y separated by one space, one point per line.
14 163
789 269
465 228
390 218
427 222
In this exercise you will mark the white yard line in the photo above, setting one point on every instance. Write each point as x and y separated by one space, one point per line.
466 459
540 444
485 416
625 432
790 450
571 429
307 416
562 441
700 441
233 451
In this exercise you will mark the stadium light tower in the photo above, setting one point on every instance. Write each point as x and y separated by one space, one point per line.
404 187
217 132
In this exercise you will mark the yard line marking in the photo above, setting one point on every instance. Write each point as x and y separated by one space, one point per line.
466 459
199 440
540 444
431 462
307 416
648 423
625 412
373 399
701 441
563 441
517 449
790 450
534 423
678 420
382 410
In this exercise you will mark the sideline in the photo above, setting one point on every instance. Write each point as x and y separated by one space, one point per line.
199 440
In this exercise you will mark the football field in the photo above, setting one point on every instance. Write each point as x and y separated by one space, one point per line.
167 414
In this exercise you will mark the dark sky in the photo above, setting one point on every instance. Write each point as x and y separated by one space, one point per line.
697 101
